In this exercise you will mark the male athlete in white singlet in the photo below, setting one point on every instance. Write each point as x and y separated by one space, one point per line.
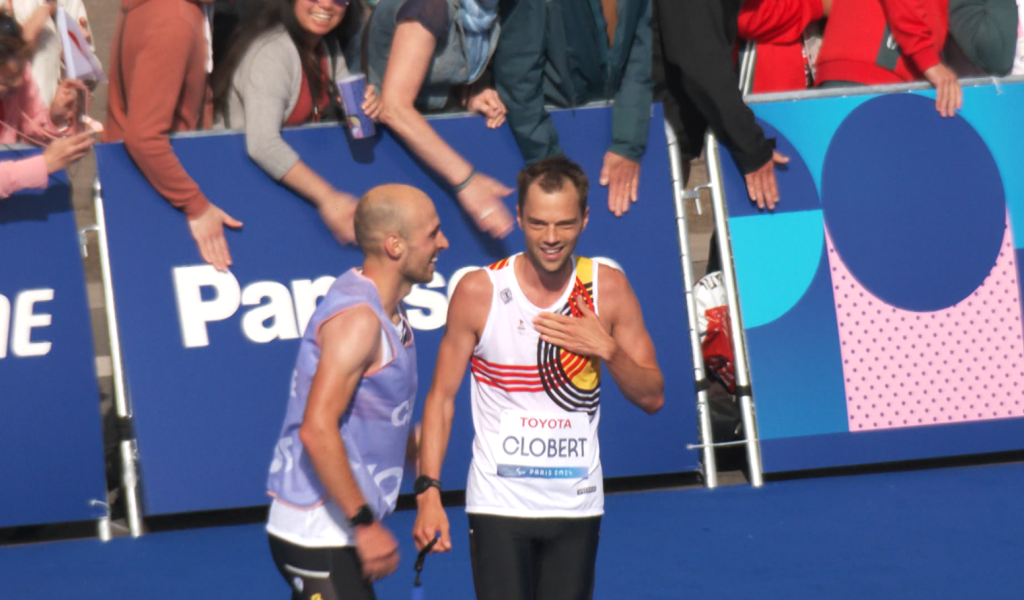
535 328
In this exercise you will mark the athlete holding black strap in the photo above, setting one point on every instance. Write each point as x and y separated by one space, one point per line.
535 328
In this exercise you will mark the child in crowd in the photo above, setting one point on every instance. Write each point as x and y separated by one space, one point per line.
40 32
24 117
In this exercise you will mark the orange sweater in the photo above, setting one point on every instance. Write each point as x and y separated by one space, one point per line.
161 60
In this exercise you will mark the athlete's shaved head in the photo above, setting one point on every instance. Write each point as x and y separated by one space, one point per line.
384 210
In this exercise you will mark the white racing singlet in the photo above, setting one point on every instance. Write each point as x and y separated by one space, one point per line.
536 409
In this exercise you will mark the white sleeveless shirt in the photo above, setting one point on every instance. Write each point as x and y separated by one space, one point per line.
536 408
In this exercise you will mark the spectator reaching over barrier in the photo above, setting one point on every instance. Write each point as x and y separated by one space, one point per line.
418 52
282 70
40 33
24 117
698 41
160 63
567 54
875 42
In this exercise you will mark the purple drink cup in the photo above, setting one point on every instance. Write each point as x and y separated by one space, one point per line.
352 90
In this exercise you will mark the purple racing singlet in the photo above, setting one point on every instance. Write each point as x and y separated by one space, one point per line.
375 427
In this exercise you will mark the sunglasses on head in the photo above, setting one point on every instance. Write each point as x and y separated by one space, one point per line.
338 3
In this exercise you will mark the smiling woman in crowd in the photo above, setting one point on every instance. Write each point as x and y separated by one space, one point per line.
280 70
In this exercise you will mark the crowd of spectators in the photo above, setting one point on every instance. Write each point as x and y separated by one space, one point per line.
260 65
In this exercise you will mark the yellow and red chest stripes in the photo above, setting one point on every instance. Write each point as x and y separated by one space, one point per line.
582 291
572 364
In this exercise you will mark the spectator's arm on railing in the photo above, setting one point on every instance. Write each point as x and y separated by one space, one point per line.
481 196
916 40
266 85
700 50
631 115
703 57
912 32
152 103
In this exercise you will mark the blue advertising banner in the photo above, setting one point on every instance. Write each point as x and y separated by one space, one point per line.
882 298
51 438
208 356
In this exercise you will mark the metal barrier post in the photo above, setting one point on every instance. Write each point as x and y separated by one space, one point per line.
709 467
739 342
128 446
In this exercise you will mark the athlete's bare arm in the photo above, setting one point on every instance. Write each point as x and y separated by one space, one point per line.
618 337
349 346
467 315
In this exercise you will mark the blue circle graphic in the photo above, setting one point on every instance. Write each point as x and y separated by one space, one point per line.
914 202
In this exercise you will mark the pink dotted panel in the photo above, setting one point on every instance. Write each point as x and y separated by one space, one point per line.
910 369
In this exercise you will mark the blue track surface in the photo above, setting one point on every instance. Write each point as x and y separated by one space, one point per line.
947 533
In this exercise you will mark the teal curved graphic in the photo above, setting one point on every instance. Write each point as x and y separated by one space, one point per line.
776 257
985 108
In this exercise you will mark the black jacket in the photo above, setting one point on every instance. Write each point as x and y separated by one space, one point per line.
698 38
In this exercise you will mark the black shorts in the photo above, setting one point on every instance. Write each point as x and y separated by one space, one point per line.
533 559
333 573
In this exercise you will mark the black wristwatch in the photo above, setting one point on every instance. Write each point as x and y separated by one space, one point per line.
363 516
424 483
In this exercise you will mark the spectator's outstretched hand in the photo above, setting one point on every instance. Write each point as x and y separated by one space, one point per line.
761 185
208 231
482 199
371 103
339 214
949 97
65 101
622 176
489 104
61 152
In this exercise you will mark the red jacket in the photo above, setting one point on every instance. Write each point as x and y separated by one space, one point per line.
777 26
856 48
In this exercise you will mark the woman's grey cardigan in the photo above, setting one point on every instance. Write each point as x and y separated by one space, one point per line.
264 91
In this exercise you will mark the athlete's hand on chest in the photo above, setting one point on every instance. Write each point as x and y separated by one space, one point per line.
586 335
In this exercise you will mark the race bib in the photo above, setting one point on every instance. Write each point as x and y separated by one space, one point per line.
544 445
